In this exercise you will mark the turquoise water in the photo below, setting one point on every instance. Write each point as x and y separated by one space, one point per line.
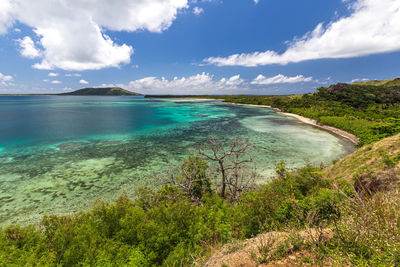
60 154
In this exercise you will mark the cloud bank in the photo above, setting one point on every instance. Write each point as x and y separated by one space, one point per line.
206 83
71 34
372 28
280 79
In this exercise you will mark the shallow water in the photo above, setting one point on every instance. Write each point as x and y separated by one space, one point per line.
60 154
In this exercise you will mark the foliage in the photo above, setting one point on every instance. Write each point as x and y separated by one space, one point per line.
193 181
367 234
167 227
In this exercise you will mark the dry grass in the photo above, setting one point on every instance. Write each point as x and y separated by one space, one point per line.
270 249
374 159
367 234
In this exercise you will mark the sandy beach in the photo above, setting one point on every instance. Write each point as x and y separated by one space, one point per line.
354 139
189 99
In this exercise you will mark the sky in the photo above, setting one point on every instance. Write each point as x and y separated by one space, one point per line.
196 46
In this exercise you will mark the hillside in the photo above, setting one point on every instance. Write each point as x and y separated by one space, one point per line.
387 82
106 91
374 161
355 239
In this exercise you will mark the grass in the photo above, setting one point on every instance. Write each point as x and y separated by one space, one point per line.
377 159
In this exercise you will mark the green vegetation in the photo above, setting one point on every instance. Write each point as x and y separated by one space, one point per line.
106 91
165 227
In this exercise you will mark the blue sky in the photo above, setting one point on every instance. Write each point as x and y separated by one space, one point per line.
196 47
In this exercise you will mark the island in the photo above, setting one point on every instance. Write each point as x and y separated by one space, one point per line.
100 91
103 91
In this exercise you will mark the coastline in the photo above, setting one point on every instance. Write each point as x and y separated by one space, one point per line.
351 137
189 99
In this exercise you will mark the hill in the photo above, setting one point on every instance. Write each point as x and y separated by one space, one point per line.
373 170
387 82
105 91
374 161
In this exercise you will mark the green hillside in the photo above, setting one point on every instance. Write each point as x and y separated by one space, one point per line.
363 229
105 91
373 161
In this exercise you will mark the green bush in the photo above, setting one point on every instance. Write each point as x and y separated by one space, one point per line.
166 227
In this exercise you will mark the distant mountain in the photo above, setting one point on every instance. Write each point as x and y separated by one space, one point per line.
106 91
386 83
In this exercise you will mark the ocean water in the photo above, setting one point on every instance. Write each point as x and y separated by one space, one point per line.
59 154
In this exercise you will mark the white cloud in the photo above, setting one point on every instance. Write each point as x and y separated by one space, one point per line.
359 80
53 74
203 83
72 36
372 28
52 81
279 79
197 10
256 1
28 48
5 16
73 75
83 82
5 79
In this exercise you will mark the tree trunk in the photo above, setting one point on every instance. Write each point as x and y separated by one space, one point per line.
221 165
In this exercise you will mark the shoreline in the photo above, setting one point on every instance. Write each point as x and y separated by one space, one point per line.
189 99
351 137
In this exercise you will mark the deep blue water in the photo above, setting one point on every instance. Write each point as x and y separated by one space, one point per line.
37 119
58 154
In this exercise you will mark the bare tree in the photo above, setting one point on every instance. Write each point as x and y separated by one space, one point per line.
231 159
192 179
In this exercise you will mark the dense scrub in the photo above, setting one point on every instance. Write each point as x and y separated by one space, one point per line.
368 233
167 227
369 112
